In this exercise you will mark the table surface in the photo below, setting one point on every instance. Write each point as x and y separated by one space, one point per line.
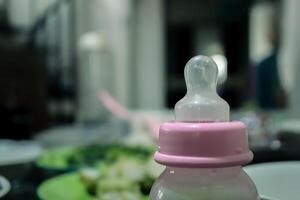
27 187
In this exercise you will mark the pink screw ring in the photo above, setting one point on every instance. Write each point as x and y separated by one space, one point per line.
204 144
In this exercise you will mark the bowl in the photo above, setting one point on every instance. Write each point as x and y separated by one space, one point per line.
277 180
4 186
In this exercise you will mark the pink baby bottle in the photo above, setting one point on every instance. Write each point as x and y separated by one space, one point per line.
202 150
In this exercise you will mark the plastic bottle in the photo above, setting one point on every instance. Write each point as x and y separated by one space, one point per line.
203 151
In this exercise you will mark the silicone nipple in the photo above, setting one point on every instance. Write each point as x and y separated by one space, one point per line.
201 102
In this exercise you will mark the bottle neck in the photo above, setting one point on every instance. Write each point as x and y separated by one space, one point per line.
196 176
198 172
221 169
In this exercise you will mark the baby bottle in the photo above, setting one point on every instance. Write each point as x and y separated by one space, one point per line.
202 150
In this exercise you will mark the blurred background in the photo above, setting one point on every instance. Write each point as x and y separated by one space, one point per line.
79 72
56 55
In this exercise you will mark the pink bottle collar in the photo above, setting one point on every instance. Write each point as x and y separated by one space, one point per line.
212 144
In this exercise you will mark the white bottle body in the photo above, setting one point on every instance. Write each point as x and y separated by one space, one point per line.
230 183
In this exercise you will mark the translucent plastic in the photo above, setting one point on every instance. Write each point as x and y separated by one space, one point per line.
230 183
201 102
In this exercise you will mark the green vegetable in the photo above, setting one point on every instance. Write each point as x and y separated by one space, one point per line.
118 172
84 156
56 158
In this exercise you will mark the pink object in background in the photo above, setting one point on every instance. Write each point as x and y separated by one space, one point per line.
113 105
120 111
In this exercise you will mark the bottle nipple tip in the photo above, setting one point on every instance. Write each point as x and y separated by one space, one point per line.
201 72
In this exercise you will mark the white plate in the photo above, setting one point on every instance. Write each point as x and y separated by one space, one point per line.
80 134
18 152
4 186
291 125
278 180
